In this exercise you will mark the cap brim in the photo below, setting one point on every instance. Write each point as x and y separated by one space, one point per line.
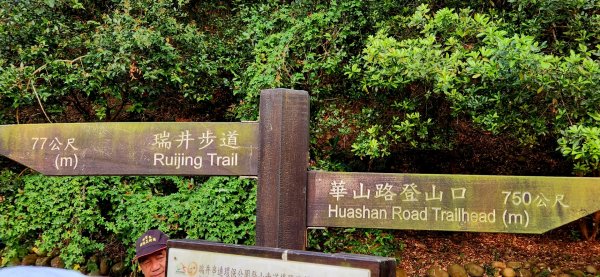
150 251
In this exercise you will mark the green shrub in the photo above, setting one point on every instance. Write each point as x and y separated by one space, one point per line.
107 62
220 209
79 216
582 145
301 45
55 214
463 64
351 240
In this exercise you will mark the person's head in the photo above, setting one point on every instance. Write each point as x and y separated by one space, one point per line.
151 253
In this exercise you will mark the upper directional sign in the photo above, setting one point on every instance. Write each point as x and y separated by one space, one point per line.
515 204
166 148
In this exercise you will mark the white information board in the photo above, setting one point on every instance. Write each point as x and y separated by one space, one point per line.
194 263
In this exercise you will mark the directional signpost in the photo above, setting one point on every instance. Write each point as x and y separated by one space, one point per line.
513 204
290 197
165 148
275 149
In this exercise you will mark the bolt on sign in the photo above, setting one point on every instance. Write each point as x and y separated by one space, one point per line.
515 204
129 148
203 259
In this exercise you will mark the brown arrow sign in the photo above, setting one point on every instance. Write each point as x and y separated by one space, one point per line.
512 204
165 148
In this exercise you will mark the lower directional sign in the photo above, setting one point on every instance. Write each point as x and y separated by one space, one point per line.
166 148
515 204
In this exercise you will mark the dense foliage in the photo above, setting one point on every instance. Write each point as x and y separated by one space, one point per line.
81 216
489 87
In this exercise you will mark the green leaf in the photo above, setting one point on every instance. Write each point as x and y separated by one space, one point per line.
594 115
50 3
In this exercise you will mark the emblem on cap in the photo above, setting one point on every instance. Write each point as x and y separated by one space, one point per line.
146 240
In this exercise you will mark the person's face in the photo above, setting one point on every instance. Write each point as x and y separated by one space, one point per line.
153 265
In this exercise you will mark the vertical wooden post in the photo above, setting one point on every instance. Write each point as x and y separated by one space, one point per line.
282 169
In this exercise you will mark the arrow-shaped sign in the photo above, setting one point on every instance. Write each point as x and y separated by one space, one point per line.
166 148
515 204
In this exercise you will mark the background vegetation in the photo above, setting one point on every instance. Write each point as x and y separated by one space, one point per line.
469 87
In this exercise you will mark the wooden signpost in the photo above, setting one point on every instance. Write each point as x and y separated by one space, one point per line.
203 259
133 148
275 149
512 204
283 163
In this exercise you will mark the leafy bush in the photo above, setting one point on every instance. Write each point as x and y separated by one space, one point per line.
582 145
360 241
220 209
107 64
303 45
56 214
465 61
563 24
79 216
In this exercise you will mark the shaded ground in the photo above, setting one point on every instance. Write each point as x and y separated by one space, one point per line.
557 249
